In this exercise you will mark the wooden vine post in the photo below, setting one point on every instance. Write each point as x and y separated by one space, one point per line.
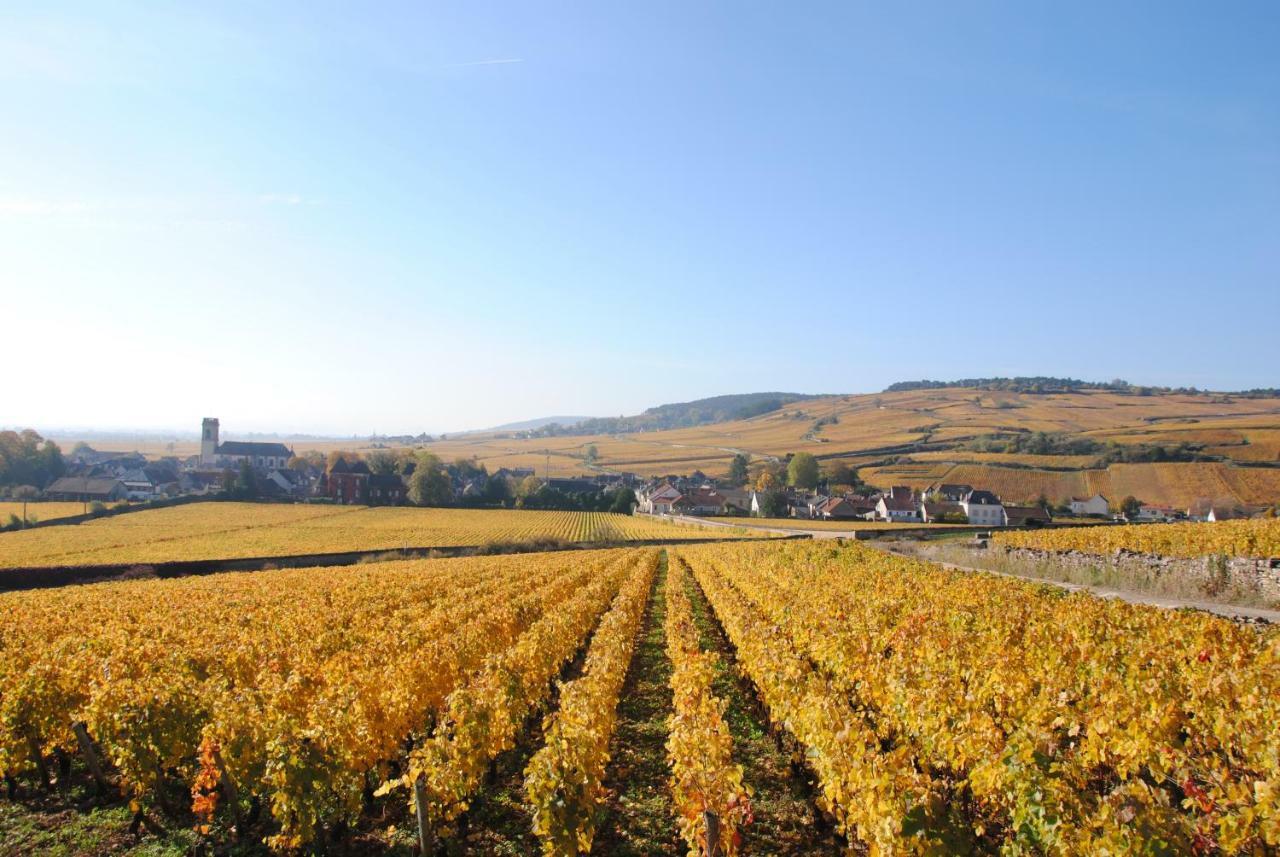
229 792
713 833
426 836
36 756
90 757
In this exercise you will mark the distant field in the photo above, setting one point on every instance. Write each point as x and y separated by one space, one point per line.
42 511
1176 484
1253 538
875 421
235 530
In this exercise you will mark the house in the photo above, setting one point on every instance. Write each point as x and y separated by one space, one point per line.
1095 505
657 500
84 489
574 485
348 483
942 513
699 503
736 501
983 509
899 505
138 485
289 482
1027 516
233 453
807 506
841 509
949 492
1222 513
385 489
1148 514
201 482
710 501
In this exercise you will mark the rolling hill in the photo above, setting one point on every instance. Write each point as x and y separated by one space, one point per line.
1216 447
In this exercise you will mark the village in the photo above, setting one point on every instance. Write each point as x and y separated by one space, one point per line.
272 471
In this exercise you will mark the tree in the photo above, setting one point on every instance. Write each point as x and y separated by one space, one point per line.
430 485
802 471
528 487
499 490
773 504
840 473
738 472
28 459
246 485
382 462
467 468
341 455
310 458
590 454
624 501
766 481
1129 506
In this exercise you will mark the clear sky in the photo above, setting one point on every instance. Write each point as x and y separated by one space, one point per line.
357 217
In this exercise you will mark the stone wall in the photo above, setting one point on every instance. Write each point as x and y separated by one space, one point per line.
1212 573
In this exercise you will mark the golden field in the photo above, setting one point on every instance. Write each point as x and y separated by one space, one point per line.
41 511
938 711
1250 538
1176 484
944 712
219 530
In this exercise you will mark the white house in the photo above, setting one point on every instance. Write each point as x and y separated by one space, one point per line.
1095 505
983 509
658 501
897 506
1156 513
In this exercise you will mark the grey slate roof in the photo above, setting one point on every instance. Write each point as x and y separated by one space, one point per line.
253 448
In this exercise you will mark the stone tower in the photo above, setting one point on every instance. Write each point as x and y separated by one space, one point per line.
209 440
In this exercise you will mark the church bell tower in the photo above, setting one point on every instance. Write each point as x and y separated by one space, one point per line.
209 440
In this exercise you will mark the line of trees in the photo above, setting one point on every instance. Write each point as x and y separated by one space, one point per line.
1060 443
26 458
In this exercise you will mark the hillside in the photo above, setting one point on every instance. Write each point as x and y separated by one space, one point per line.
1219 448
699 412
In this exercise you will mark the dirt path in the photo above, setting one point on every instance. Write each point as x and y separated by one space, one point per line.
785 819
640 819
1230 611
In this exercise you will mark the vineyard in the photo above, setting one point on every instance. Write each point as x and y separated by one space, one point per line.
919 710
43 511
201 531
1248 538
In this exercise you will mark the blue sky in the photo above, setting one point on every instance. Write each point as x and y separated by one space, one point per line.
379 217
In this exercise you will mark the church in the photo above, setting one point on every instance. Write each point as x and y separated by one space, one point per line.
265 456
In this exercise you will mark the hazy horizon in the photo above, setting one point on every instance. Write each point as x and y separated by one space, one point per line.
339 220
